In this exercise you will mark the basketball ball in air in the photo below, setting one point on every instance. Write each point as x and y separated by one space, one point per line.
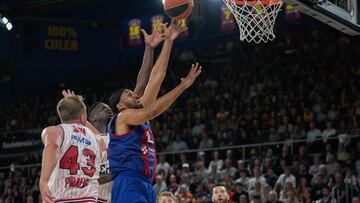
178 9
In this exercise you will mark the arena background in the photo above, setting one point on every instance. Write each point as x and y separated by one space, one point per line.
293 102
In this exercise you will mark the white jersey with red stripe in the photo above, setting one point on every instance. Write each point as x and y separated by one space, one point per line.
75 177
105 189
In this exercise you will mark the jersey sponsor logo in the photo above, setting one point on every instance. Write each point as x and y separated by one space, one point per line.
104 170
82 140
76 182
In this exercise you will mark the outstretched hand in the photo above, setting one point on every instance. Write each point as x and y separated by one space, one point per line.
154 39
68 93
174 30
193 74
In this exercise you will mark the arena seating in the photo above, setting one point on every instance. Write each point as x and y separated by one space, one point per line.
305 88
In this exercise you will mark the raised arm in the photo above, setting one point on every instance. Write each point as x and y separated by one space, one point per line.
139 116
158 73
151 42
52 138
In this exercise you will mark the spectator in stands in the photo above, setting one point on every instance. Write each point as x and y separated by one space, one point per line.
271 177
339 190
228 168
183 160
303 186
166 197
200 194
184 196
201 171
214 173
172 185
243 179
291 197
239 190
287 192
315 167
216 160
328 132
160 185
206 142
323 173
194 183
178 144
258 191
272 197
318 186
257 177
313 133
350 178
306 196
286 156
330 165
342 154
287 176
244 199
162 165
326 196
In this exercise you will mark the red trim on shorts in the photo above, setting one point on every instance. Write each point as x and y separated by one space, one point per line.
77 200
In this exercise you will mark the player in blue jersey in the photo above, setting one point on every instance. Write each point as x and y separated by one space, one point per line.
132 154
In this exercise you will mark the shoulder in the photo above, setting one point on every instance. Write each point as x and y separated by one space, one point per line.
51 130
52 134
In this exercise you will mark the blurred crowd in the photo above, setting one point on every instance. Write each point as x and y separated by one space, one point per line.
305 85
267 175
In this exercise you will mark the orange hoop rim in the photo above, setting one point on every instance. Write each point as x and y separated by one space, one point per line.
255 2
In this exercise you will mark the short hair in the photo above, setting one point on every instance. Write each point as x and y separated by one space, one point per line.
70 108
99 116
220 185
96 110
166 194
115 99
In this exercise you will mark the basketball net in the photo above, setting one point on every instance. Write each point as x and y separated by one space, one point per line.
256 18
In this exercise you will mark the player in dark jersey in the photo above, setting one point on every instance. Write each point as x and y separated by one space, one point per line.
132 154
99 113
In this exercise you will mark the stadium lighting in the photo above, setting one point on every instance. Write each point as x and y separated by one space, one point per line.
5 20
9 26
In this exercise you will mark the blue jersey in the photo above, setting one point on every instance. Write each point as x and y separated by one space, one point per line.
132 153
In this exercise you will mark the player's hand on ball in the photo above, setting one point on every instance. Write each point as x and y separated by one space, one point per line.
45 193
68 93
193 74
173 31
154 39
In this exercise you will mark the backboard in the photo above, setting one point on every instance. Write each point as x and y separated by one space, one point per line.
343 15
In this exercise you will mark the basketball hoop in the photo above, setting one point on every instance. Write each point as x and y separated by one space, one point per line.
256 18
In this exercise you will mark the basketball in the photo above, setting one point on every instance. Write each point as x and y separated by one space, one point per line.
178 9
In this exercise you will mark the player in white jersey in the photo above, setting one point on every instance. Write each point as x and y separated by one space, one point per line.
71 161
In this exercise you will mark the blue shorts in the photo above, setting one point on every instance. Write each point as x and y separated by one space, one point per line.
131 189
